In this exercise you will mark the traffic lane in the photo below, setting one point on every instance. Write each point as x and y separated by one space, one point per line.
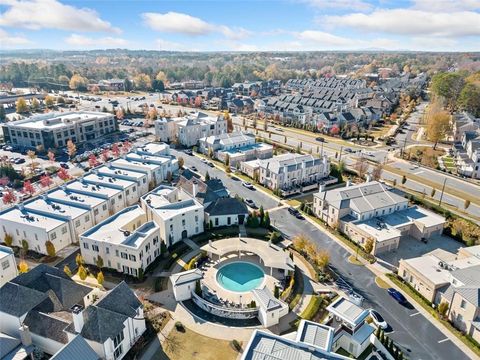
234 186
413 333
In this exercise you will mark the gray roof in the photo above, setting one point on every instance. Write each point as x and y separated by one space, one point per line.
266 299
77 349
470 294
316 334
127 306
227 206
186 277
17 300
7 344
47 326
469 276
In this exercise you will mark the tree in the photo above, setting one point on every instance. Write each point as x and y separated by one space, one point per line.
442 308
21 106
127 145
60 100
369 245
22 267
50 248
35 104
3 115
142 82
335 130
28 188
8 240
99 262
46 181
229 121
322 259
67 271
105 155
79 260
438 126
181 162
100 278
432 194
377 172
361 166
71 148
120 114
210 152
227 161
115 150
469 99
49 101
25 246
448 86
266 220
9 197
92 160
466 204
82 272
404 179
32 156
63 174
51 156
300 242
207 176
78 83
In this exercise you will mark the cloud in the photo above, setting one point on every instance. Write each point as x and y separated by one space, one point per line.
178 23
323 38
340 4
411 22
8 41
51 14
446 5
81 41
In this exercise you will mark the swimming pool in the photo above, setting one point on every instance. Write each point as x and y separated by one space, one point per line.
240 276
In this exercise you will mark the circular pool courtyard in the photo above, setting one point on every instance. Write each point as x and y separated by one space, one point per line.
240 276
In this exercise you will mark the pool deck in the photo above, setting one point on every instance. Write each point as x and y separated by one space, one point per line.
210 279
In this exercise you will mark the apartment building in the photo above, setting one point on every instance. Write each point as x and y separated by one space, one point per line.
177 215
167 164
291 173
140 178
126 242
53 130
8 265
237 146
190 128
442 276
128 195
467 154
372 211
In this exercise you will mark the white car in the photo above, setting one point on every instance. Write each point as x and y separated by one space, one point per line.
247 185
378 320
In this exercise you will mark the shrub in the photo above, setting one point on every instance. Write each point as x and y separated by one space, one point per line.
236 345
8 240
179 327
25 246
82 272
22 267
67 271
100 278
50 248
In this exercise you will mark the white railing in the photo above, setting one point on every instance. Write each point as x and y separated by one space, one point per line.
223 311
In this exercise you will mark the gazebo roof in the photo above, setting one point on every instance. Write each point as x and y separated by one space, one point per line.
272 255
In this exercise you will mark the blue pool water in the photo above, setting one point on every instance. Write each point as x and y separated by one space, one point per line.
240 276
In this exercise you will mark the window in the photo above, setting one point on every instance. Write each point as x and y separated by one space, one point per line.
124 255
216 221
133 257
147 247
116 253
104 207
95 248
107 250
64 230
463 304
53 235
95 212
77 223
229 221
5 264
183 222
85 246
87 218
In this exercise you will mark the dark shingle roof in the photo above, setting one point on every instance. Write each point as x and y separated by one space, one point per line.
127 306
226 206
17 300
47 326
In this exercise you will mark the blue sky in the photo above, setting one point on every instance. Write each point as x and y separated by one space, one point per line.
248 25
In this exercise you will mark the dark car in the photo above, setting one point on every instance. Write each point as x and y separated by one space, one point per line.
397 296
211 164
320 139
193 168
64 165
189 152
348 150
293 211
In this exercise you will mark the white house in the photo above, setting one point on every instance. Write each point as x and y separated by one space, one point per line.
126 242
226 212
270 309
8 265
184 283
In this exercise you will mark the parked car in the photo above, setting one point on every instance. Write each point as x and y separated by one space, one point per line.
348 150
320 139
250 203
19 161
205 161
189 152
210 164
193 168
293 211
378 320
64 165
247 185
397 295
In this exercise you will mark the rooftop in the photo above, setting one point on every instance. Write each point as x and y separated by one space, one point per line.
76 349
318 335
288 160
154 148
148 159
429 267
116 173
5 251
69 196
56 120
186 277
122 163
54 208
92 188
30 218
348 311
107 181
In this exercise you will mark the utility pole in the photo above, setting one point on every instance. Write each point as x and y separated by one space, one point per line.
443 189
322 149
340 156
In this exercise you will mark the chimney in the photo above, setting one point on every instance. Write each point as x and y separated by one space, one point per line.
194 188
321 187
25 336
77 312
349 183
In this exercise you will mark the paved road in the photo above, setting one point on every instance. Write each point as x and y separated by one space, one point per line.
412 331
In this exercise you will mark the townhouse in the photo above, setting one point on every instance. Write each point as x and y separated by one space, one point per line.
53 130
190 128
177 216
140 178
47 309
167 164
444 277
373 211
126 242
467 154
291 173
128 195
237 147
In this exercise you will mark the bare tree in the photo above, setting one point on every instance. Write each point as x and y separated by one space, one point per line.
377 172
361 166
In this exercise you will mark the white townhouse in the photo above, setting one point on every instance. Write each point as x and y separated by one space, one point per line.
110 326
113 195
8 265
35 228
189 129
97 206
178 217
129 188
152 171
153 149
293 172
167 164
54 129
140 178
127 242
